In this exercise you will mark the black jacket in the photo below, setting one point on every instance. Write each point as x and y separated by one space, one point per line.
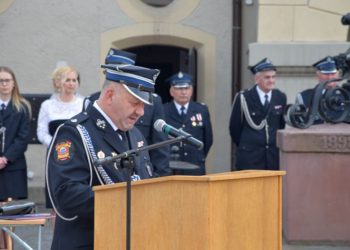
253 149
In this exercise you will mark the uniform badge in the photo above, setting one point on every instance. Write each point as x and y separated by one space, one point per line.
64 151
100 155
140 144
101 123
193 121
199 119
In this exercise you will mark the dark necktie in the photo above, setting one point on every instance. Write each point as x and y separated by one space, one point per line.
124 139
266 103
3 107
182 113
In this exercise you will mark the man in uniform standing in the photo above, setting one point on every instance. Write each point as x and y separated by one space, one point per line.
106 128
256 116
193 118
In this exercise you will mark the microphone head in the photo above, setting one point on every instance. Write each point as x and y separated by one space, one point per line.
159 124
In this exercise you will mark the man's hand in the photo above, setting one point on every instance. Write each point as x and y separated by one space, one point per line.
3 162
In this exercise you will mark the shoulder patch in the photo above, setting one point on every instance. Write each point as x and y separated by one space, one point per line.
64 151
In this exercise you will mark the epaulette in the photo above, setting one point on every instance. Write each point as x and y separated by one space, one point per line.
79 118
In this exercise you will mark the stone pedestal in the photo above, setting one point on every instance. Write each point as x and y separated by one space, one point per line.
316 189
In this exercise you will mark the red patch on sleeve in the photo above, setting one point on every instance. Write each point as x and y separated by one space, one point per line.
63 150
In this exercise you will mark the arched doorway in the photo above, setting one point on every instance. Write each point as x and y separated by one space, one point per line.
169 60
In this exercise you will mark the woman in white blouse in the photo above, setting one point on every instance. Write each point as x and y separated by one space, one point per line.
63 104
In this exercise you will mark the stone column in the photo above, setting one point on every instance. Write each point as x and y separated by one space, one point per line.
316 188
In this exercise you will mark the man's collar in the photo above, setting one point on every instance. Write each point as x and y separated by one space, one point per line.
115 128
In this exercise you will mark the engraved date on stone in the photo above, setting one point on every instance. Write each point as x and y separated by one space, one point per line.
335 142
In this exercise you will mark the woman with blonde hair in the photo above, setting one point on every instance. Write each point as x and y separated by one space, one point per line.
64 103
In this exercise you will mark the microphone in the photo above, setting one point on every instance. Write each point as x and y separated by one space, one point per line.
161 126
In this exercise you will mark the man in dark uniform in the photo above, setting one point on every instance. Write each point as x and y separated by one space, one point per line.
106 128
256 116
193 118
159 156
326 69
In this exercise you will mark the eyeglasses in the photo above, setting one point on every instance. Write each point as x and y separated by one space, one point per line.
5 81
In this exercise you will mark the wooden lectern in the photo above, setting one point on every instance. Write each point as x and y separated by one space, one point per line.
235 210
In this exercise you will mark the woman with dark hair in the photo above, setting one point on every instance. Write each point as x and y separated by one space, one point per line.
15 115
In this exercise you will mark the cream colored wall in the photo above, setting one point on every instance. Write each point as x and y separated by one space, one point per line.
302 20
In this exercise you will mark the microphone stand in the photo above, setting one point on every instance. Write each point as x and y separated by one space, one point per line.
127 161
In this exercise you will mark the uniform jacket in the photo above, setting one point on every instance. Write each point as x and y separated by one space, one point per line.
159 156
71 179
14 142
253 149
197 123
